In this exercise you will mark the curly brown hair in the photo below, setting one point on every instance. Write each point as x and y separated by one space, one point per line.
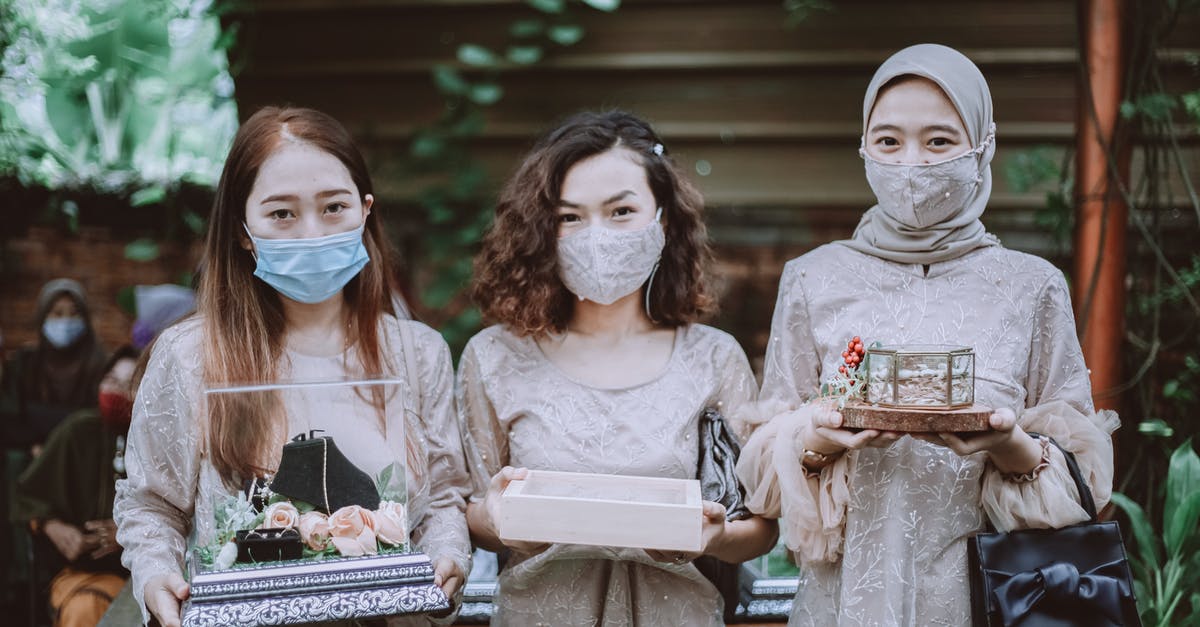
516 272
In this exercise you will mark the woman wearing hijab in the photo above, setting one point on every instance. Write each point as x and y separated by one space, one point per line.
66 495
61 374
880 520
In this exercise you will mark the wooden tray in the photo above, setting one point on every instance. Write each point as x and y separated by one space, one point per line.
603 510
859 415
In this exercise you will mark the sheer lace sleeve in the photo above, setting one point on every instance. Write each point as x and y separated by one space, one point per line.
485 439
811 508
737 391
154 504
1059 405
442 530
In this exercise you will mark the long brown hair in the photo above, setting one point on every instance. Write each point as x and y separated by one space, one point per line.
243 322
516 272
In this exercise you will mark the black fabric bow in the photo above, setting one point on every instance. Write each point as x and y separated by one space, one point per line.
1061 584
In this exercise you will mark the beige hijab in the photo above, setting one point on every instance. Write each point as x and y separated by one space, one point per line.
883 236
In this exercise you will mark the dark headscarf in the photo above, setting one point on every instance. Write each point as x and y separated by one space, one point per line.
53 382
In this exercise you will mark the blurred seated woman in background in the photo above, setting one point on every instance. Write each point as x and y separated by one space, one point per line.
66 494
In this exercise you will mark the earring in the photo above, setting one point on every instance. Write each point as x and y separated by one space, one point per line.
649 286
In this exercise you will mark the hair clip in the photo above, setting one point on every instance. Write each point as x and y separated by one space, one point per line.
657 149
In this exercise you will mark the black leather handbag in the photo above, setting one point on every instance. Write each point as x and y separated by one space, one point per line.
719 452
1074 576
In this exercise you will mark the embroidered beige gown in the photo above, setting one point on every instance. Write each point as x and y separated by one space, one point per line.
521 410
165 507
881 534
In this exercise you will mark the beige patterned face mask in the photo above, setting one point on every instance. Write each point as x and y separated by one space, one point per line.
922 195
602 264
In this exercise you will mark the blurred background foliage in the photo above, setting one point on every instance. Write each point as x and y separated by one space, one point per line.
1158 475
458 201
111 105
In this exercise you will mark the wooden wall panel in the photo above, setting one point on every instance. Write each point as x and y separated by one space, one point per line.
774 112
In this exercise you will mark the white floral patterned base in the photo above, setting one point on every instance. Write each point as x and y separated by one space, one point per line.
328 590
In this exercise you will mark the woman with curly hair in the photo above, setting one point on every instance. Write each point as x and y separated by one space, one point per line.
595 273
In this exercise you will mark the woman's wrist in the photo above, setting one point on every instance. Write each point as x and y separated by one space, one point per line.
1019 454
811 442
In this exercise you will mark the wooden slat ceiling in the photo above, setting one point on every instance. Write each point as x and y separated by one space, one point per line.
773 112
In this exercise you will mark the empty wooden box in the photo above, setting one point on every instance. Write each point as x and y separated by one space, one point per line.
603 510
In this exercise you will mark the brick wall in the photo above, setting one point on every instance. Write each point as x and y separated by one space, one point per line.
96 258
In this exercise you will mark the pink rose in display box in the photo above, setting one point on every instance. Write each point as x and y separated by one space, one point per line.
314 530
352 531
391 523
281 515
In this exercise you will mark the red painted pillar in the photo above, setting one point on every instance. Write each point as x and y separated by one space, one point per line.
1101 214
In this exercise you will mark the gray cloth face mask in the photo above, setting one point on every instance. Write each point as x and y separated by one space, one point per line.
602 264
922 195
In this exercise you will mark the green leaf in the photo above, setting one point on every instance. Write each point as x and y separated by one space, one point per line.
1183 479
548 6
1180 526
449 81
524 55
195 222
148 196
143 249
1171 388
476 55
525 29
565 34
1143 532
127 300
1156 428
426 146
485 93
607 6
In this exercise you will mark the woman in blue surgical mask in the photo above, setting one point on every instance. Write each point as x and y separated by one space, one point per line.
296 285
59 375
880 520
595 273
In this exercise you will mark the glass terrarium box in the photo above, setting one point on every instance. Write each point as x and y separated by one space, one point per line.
918 388
325 536
921 376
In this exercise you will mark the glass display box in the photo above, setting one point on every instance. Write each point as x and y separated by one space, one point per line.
325 537
925 376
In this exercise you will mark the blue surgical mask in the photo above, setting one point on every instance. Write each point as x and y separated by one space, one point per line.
310 270
62 332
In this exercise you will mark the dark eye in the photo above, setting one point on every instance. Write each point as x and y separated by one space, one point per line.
889 141
335 207
623 211
568 217
281 214
940 142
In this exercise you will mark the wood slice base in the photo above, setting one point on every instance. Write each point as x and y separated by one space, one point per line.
858 415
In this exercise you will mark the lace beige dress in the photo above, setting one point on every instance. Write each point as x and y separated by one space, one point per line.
881 534
520 409
165 506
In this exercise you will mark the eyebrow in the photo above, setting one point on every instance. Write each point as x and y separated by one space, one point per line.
292 197
618 196
943 128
